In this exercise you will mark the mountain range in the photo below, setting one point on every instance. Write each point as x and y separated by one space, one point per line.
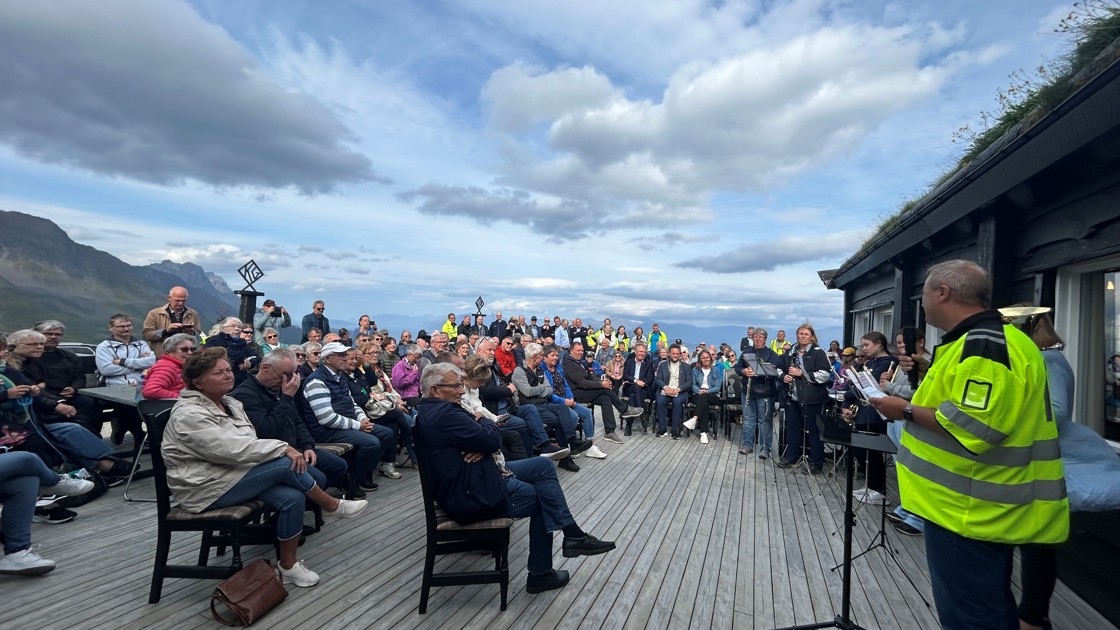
46 275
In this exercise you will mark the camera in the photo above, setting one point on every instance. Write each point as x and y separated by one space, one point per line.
276 312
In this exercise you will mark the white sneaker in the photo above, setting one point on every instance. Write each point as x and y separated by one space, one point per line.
690 424
347 509
595 453
703 438
71 487
389 470
299 575
25 562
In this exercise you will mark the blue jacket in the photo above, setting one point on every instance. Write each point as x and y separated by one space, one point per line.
556 398
715 379
446 432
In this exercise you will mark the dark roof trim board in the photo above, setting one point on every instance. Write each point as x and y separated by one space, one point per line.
1087 114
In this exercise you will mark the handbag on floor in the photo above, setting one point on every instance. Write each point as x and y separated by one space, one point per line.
249 594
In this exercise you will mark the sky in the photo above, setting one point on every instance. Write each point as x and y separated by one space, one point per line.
686 161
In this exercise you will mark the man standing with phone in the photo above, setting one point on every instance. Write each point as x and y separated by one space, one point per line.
270 316
170 319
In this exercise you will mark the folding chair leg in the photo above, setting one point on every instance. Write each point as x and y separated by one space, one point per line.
135 465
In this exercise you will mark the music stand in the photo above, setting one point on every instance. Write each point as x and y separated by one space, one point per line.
871 442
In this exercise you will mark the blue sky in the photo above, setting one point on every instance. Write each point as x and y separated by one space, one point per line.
683 161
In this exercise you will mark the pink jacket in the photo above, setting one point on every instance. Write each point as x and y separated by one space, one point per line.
165 379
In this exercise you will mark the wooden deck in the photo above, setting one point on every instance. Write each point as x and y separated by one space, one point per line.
707 539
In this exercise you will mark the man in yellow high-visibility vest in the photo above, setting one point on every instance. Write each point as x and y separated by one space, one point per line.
979 457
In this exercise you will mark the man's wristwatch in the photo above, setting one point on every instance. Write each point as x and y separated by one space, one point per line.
908 413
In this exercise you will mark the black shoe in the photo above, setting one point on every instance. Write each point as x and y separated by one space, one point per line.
627 432
357 494
541 583
905 528
578 446
676 436
368 486
118 432
54 515
895 518
782 463
568 464
586 546
813 470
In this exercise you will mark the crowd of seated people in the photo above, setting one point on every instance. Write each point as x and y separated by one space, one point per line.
541 385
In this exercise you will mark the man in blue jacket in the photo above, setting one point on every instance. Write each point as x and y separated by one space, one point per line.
449 434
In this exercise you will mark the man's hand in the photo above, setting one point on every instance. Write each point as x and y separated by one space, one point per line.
906 362
793 372
748 372
473 457
640 383
512 388
65 410
67 392
310 457
890 406
299 465
366 426
290 385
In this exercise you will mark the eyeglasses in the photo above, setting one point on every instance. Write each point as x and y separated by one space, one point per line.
186 349
52 334
462 386
300 355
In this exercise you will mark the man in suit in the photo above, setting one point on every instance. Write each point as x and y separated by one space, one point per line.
672 384
637 383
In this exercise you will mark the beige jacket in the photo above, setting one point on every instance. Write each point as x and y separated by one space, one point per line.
158 319
207 451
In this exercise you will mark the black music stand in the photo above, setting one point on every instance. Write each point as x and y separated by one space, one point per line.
871 442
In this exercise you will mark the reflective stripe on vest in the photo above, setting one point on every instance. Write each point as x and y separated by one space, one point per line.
1010 494
982 431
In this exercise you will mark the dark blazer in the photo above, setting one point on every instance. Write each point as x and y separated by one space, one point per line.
645 372
661 380
274 416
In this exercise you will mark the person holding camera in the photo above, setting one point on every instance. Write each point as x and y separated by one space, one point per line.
170 319
269 316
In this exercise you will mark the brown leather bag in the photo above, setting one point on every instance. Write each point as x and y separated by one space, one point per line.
249 593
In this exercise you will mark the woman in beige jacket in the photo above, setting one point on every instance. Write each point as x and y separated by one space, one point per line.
215 460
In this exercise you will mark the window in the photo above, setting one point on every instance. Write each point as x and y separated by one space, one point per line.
1087 317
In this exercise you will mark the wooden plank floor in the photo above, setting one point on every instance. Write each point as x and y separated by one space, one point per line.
707 539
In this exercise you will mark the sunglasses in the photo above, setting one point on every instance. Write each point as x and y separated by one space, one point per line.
247 332
187 349
300 355
270 336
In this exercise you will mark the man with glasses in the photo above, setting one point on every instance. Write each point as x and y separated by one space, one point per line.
331 415
122 359
453 443
58 374
315 320
269 399
269 316
170 319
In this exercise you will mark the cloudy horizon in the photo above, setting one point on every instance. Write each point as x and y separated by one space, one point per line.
688 162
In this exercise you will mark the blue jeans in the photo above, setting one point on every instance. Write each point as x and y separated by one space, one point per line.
331 468
400 424
534 491
971 581
579 412
678 402
369 448
758 413
21 476
532 417
77 443
275 483
513 423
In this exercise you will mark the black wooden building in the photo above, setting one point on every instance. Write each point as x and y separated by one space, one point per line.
1040 210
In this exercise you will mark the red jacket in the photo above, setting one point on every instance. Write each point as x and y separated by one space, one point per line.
504 358
165 379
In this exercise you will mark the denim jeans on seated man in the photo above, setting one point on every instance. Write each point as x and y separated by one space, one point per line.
678 403
758 413
329 469
535 492
371 449
535 424
76 442
971 581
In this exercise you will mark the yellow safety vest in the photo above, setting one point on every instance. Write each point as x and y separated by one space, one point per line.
999 478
